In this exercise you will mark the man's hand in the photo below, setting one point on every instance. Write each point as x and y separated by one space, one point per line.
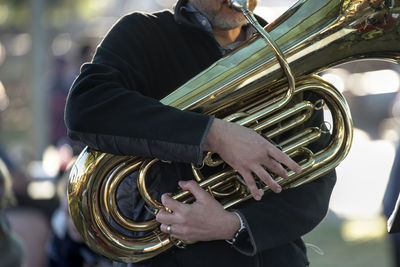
203 220
248 153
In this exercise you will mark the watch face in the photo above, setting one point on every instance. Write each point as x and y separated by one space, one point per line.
242 236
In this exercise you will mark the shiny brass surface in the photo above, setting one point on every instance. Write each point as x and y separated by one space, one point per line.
248 87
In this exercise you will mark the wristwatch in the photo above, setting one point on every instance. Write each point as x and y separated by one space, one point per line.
239 232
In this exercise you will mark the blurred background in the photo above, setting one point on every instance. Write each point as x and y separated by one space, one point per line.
42 45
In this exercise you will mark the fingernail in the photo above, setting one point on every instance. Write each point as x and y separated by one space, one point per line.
261 192
278 189
298 170
163 196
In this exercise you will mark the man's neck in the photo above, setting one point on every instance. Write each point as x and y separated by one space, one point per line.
227 37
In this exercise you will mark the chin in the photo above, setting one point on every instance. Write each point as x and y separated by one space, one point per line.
225 23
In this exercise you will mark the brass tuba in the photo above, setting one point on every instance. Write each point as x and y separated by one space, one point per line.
252 86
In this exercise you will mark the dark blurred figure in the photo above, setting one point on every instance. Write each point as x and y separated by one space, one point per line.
11 248
29 226
389 202
64 73
19 179
393 190
59 90
66 248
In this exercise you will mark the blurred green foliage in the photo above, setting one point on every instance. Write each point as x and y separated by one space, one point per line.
16 14
338 252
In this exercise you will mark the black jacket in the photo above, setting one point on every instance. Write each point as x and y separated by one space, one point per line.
112 107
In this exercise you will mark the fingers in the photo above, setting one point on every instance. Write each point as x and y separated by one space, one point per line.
267 179
172 230
264 176
194 188
163 228
251 184
275 167
167 228
169 220
163 216
283 158
170 203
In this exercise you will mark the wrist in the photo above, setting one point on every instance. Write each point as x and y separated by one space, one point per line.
238 228
213 136
232 226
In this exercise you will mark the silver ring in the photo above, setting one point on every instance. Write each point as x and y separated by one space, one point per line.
169 229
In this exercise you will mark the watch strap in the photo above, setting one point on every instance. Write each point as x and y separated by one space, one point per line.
241 229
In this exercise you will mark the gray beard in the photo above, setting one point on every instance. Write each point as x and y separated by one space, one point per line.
225 24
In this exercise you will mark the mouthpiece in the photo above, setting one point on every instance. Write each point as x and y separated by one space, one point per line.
238 5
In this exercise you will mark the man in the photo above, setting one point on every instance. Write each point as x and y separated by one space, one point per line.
113 107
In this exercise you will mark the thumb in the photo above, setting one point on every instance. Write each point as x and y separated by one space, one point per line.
194 188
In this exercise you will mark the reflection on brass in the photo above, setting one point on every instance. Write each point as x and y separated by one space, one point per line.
248 87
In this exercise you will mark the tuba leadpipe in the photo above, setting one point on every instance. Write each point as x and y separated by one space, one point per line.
249 87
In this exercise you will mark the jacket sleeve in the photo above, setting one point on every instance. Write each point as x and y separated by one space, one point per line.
112 106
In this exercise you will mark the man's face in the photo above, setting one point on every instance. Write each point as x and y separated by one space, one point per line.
220 15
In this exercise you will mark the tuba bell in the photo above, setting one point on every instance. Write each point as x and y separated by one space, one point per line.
257 86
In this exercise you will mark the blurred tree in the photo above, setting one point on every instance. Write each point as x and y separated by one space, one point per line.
58 13
40 21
